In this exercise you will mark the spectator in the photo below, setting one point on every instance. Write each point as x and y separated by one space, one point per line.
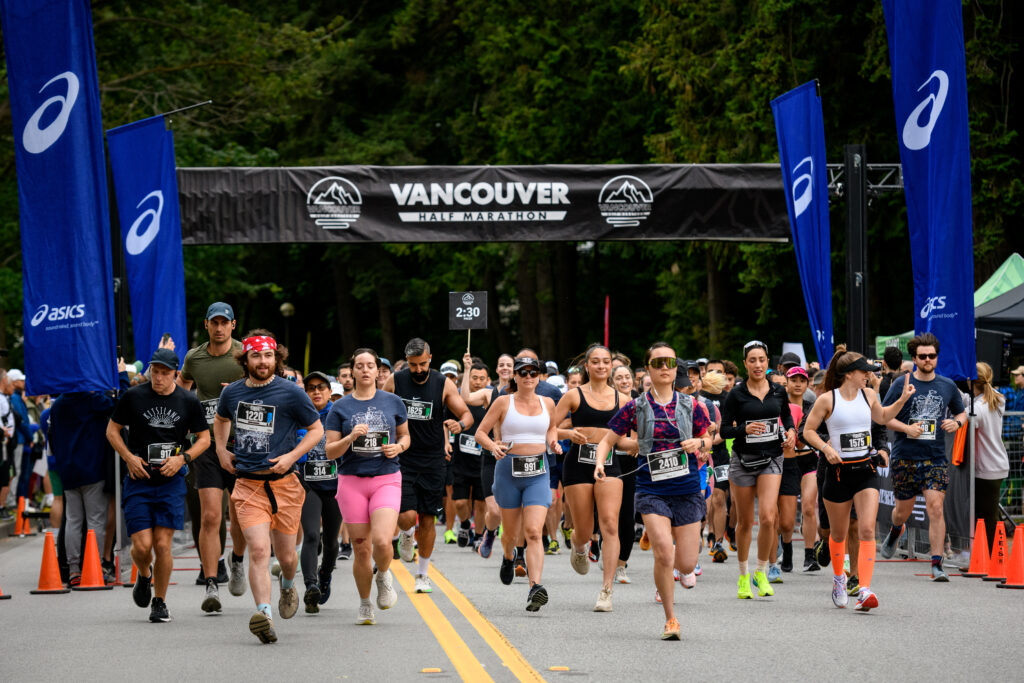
15 390
992 465
1013 397
892 359
6 438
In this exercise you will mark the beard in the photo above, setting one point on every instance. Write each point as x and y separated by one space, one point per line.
261 373
419 377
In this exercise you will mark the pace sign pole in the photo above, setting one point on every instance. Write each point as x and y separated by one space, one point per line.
467 311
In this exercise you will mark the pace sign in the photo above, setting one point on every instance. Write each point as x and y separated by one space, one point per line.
467 310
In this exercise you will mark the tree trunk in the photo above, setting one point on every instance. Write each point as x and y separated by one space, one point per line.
547 320
565 294
345 306
717 288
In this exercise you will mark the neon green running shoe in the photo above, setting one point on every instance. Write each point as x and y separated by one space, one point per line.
764 589
743 585
450 537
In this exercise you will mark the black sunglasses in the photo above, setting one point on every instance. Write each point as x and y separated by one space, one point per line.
526 372
927 356
310 388
662 362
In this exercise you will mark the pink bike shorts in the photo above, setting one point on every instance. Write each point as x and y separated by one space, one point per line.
358 497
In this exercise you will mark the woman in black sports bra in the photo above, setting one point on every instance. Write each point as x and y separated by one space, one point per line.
591 406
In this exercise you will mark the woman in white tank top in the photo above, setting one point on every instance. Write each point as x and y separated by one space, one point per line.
848 408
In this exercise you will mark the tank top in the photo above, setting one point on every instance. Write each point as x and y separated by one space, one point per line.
588 416
520 428
849 426
424 405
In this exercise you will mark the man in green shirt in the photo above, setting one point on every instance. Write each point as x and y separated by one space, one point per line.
210 367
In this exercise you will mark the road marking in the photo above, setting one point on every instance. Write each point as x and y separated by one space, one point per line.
466 664
510 656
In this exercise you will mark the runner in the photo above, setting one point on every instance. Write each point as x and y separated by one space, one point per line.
477 400
210 367
919 454
367 429
467 490
450 370
622 379
752 416
798 466
425 393
527 427
671 432
159 416
591 406
266 410
713 389
345 378
848 408
319 477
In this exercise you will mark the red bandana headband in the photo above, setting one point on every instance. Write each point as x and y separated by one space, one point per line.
258 344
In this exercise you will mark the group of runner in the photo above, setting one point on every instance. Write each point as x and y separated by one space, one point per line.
682 445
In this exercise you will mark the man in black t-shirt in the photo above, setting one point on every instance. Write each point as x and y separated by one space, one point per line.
159 416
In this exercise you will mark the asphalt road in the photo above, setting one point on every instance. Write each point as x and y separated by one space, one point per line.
473 627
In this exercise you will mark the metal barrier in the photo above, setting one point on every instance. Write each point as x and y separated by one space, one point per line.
1013 439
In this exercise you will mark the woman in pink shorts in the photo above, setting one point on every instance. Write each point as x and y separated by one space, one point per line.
367 429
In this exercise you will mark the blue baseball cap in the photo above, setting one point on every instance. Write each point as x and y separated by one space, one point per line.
220 309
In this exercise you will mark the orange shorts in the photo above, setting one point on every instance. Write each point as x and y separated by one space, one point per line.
253 507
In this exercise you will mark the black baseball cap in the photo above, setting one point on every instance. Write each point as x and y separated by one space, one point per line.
862 364
789 358
525 362
321 376
220 309
166 358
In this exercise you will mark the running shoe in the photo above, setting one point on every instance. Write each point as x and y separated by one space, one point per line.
211 603
345 551
366 617
938 575
109 573
387 596
810 564
866 600
311 598
579 562
839 597
604 601
719 554
567 533
852 585
764 587
553 548
275 567
158 611
142 591
324 584
262 626
743 588
537 598
236 585
288 603
676 575
888 548
507 570
731 534
657 596
222 571
487 544
394 547
620 575
76 580
422 584
822 554
671 631
521 570
774 574
463 537
645 542
786 564
688 580
595 551
450 537
697 571
405 547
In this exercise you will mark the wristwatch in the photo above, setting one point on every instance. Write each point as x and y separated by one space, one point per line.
187 457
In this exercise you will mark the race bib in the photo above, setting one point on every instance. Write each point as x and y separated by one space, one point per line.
371 443
588 454
468 445
254 417
418 410
320 470
210 410
527 465
854 442
668 464
157 453
770 434
928 427
722 473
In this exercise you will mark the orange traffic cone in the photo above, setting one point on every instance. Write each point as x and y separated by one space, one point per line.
997 564
979 553
49 572
92 572
2 596
135 576
18 518
1015 574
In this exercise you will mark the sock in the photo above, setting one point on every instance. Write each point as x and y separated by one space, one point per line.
837 550
490 532
408 532
265 608
743 568
711 540
364 602
866 563
521 551
762 565
237 558
211 580
894 531
808 554
424 564
395 537
936 560
464 524
287 583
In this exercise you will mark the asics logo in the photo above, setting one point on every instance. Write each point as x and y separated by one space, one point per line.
45 312
933 303
801 202
916 136
135 243
37 140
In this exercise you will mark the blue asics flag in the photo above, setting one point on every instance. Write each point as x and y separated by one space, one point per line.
801 132
70 342
142 159
929 86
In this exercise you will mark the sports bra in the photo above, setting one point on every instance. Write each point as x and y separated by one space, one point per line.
519 428
588 416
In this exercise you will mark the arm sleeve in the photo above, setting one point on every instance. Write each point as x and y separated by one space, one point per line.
729 430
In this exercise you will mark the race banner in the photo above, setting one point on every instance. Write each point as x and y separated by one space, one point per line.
146 187
800 129
482 203
62 196
929 85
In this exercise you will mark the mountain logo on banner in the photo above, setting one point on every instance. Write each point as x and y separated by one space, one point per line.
334 203
625 200
468 299
916 136
37 140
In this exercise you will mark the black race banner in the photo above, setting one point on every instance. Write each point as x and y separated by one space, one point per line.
482 203
467 310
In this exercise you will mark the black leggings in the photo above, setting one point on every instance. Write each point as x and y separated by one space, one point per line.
319 505
626 513
986 504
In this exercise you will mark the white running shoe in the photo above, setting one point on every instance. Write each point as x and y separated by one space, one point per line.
236 586
386 594
839 597
620 575
423 584
406 549
688 580
365 617
579 561
604 601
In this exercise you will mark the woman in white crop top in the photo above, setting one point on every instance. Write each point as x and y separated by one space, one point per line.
848 407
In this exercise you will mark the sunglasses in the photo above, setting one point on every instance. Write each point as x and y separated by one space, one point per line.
754 343
316 387
291 378
526 372
927 356
663 362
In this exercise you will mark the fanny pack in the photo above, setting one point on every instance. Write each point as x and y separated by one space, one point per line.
754 461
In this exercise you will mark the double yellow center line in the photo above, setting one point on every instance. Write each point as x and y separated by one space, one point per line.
465 662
